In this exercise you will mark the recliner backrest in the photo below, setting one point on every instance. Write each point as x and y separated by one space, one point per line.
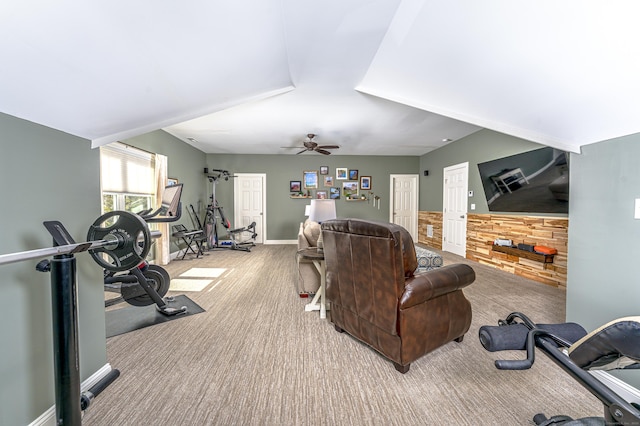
366 268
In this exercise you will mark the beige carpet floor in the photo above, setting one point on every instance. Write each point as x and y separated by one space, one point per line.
255 357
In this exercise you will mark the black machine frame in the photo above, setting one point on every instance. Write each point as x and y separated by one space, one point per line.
617 410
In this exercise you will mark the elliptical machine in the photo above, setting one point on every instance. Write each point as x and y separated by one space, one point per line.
147 284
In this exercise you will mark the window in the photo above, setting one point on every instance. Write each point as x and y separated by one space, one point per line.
127 178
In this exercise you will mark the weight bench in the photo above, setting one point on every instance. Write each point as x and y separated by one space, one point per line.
249 233
615 345
190 238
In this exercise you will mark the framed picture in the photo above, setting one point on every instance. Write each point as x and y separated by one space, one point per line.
334 193
350 189
328 181
341 173
321 195
172 181
365 183
353 174
295 186
324 170
310 179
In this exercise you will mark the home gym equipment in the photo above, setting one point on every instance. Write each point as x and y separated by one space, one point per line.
143 284
125 241
615 345
214 216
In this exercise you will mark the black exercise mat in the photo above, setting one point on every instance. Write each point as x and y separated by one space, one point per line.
124 320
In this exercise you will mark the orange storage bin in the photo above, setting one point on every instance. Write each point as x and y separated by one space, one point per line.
544 250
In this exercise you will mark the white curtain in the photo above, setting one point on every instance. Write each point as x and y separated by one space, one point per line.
163 249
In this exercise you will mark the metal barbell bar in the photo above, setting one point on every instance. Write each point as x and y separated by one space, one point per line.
120 241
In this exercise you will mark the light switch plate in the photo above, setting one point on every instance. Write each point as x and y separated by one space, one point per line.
636 214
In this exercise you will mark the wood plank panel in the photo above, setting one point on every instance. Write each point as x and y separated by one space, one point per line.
434 219
482 229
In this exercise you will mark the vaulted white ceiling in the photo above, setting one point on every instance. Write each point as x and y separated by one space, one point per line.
385 77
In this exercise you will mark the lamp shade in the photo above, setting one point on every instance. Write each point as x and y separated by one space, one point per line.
322 210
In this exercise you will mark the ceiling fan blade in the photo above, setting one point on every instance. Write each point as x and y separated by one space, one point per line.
304 150
322 151
329 146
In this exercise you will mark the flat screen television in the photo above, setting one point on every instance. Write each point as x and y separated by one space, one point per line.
531 182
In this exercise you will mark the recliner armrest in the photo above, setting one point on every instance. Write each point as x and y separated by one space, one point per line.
436 282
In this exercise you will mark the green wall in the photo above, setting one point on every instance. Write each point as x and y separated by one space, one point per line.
481 146
285 214
47 175
603 278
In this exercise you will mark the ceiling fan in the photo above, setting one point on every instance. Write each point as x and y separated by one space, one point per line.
310 145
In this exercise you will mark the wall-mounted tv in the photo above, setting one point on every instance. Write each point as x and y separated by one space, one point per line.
531 182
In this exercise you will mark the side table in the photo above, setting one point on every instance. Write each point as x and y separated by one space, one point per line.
318 303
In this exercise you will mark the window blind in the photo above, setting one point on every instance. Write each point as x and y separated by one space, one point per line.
126 169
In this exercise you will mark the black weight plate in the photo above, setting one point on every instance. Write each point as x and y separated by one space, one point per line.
127 229
135 295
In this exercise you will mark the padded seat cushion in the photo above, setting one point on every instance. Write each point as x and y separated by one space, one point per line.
614 345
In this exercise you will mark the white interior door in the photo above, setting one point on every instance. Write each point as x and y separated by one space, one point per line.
404 203
454 221
249 202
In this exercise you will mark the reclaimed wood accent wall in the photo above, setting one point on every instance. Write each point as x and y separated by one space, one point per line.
434 219
482 229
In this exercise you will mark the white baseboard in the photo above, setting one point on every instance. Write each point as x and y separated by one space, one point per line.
48 418
281 242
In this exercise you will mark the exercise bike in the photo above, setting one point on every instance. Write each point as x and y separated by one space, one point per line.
147 284
615 345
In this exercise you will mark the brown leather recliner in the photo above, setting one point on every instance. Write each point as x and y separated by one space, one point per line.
376 297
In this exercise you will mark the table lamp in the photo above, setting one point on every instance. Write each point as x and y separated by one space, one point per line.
320 211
